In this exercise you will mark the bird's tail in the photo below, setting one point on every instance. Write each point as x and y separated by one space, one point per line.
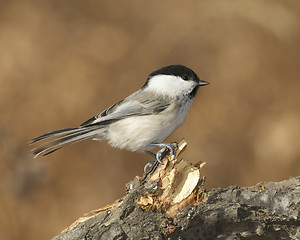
53 141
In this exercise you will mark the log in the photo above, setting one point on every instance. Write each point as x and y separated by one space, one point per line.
170 202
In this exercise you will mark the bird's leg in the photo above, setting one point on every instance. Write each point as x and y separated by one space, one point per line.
159 156
151 154
155 156
150 164
164 146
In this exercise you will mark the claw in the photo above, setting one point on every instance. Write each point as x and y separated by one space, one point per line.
159 155
149 164
172 147
175 145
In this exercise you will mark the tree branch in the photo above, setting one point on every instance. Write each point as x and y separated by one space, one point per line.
171 203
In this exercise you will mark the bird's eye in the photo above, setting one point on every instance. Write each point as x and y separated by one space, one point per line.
185 77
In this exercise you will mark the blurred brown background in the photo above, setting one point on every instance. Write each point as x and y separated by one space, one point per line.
61 62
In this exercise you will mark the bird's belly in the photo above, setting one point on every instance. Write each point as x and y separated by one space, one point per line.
136 133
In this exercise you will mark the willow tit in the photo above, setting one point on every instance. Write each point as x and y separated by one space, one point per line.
140 122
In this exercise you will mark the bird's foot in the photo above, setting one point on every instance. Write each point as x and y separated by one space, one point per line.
162 153
149 165
165 148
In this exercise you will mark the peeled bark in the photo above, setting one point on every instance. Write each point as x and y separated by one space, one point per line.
172 203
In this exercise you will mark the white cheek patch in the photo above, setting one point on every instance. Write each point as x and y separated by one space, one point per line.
169 85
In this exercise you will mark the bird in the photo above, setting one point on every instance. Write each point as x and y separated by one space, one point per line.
139 122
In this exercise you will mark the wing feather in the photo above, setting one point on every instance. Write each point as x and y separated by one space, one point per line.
138 104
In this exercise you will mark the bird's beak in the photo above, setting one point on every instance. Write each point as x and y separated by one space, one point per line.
202 83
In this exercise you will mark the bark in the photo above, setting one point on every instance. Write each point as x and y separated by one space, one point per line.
172 203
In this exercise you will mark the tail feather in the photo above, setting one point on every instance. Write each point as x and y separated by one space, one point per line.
67 144
63 134
54 133
61 138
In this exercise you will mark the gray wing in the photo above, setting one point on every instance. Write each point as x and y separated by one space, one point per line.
137 104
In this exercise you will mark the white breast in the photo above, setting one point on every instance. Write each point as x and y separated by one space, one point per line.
137 132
